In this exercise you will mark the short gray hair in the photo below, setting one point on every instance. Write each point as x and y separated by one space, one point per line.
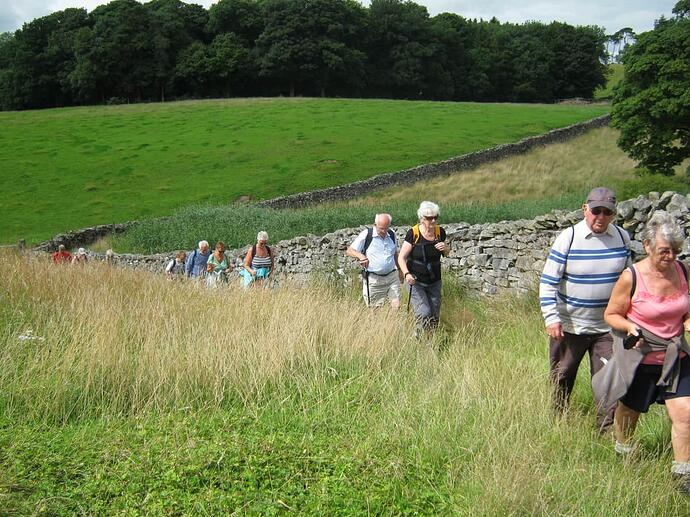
262 236
663 225
427 209
387 216
203 243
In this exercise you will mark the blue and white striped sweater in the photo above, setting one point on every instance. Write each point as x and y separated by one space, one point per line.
577 280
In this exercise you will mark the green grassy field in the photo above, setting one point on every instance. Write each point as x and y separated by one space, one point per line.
239 403
70 168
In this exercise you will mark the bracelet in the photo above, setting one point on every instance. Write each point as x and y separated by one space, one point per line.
408 273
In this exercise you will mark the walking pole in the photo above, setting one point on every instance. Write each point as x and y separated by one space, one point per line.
365 273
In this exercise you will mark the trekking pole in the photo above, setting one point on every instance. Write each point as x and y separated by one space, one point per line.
365 273
409 297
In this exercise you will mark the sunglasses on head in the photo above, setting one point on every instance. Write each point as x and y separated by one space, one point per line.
599 210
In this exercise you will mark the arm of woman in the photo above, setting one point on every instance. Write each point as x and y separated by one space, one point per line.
248 262
619 303
405 251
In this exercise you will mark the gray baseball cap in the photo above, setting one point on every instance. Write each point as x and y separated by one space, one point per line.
603 197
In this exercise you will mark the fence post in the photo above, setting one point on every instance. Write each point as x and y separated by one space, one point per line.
21 245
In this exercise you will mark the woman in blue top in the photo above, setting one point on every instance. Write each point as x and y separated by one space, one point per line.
258 264
217 266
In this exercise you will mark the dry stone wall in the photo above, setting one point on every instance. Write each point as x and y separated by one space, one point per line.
488 258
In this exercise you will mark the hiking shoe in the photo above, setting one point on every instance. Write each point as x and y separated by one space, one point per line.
683 481
623 449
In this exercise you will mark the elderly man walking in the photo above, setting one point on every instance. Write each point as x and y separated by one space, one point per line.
376 249
583 265
197 260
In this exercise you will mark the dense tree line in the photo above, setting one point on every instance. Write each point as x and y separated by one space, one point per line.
167 49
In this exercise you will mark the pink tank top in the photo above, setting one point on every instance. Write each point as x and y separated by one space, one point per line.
663 315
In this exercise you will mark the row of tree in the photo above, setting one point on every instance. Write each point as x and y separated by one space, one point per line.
169 49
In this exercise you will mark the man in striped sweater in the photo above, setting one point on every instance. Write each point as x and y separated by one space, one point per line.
582 267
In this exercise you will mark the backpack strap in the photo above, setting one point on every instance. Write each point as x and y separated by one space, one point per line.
634 281
391 234
684 268
415 233
367 240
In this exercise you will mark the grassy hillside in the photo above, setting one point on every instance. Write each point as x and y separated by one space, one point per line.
69 168
556 176
615 75
242 404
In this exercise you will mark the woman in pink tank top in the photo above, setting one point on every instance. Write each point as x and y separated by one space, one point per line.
655 297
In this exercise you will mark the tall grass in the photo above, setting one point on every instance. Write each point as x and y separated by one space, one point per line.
462 429
569 169
117 342
237 225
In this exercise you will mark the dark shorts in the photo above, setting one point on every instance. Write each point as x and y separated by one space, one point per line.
644 392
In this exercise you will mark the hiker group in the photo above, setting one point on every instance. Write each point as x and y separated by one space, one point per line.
629 318
214 267
417 265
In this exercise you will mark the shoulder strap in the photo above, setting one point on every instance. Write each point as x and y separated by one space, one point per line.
391 234
415 234
634 281
438 232
567 253
620 233
367 240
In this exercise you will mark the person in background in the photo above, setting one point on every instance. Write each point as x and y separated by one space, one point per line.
259 261
196 260
80 257
217 266
420 264
175 268
109 256
582 267
649 305
61 256
376 250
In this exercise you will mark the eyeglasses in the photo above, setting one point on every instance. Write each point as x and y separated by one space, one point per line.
665 252
431 217
599 211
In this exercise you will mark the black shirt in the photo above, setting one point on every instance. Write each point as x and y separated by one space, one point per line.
424 261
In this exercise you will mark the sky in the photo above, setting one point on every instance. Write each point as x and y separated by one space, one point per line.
610 14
